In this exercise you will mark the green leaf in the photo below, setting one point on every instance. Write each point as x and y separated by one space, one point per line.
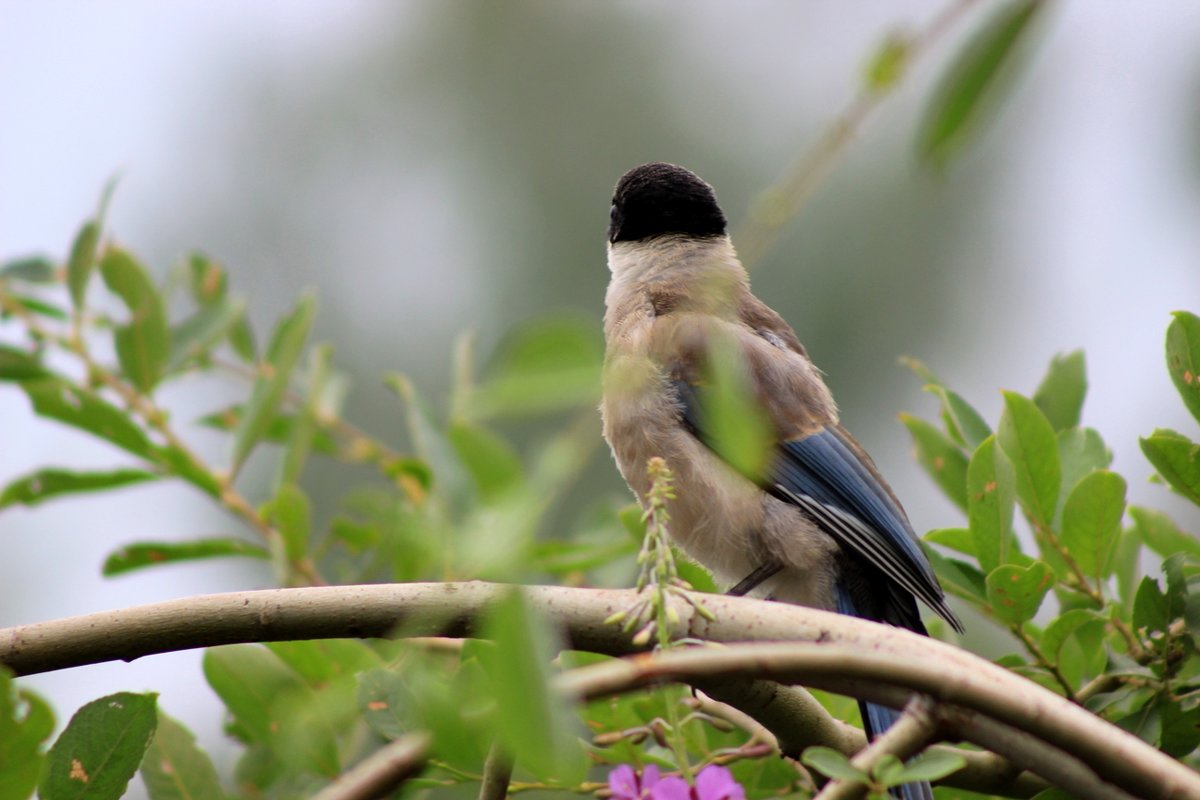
82 260
33 269
1177 459
973 82
537 728
1161 534
1060 394
287 342
87 411
959 539
280 431
963 422
451 480
958 577
241 339
382 696
730 411
18 365
1180 730
207 280
1183 358
833 764
201 332
493 463
1080 451
1026 437
990 488
887 65
941 457
1016 593
1091 520
35 305
1150 607
1065 624
174 768
932 765
48 483
178 462
144 344
26 722
320 662
151 554
290 512
304 428
100 749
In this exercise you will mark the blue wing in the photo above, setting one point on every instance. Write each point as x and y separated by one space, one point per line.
824 475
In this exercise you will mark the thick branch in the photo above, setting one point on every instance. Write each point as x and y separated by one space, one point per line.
382 772
829 651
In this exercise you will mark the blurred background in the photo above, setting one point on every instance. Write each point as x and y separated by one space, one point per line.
432 167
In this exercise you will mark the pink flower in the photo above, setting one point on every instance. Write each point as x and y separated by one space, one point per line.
713 783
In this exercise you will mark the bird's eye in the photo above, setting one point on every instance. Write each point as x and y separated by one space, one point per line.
612 212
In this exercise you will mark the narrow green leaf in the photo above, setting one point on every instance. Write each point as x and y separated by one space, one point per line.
280 431
941 457
451 481
1060 394
143 345
833 764
932 765
48 483
177 462
151 554
26 722
1026 437
493 463
38 306
82 261
284 351
241 339
207 280
87 411
32 269
1016 593
974 81
100 750
963 422
19 365
1177 459
536 727
990 490
958 577
1161 534
201 332
887 65
174 768
1183 358
959 539
291 513
304 428
1091 520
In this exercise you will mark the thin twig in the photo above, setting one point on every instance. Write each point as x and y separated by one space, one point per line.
910 734
497 772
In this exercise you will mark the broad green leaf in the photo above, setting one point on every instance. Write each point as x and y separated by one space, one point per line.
291 513
1180 730
1150 607
201 332
1183 358
100 750
1091 520
1065 624
1026 437
958 577
959 539
1161 534
549 365
151 554
82 261
287 342
19 365
33 269
1083 654
26 722
833 764
990 489
1177 459
83 409
973 83
382 697
175 768
941 457
932 765
1127 568
272 705
1060 394
493 463
48 483
321 661
1016 593
963 422
1080 451
241 339
538 729
144 344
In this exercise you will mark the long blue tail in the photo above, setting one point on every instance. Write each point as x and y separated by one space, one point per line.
877 718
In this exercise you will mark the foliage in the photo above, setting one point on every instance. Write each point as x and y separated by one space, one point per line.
1044 517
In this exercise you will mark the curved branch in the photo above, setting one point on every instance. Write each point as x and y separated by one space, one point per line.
382 772
915 729
876 662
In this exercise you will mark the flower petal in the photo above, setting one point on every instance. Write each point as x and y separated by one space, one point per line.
670 788
623 783
717 783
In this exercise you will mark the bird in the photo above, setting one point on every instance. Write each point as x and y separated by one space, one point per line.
805 517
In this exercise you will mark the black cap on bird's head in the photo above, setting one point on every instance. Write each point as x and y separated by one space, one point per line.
657 199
